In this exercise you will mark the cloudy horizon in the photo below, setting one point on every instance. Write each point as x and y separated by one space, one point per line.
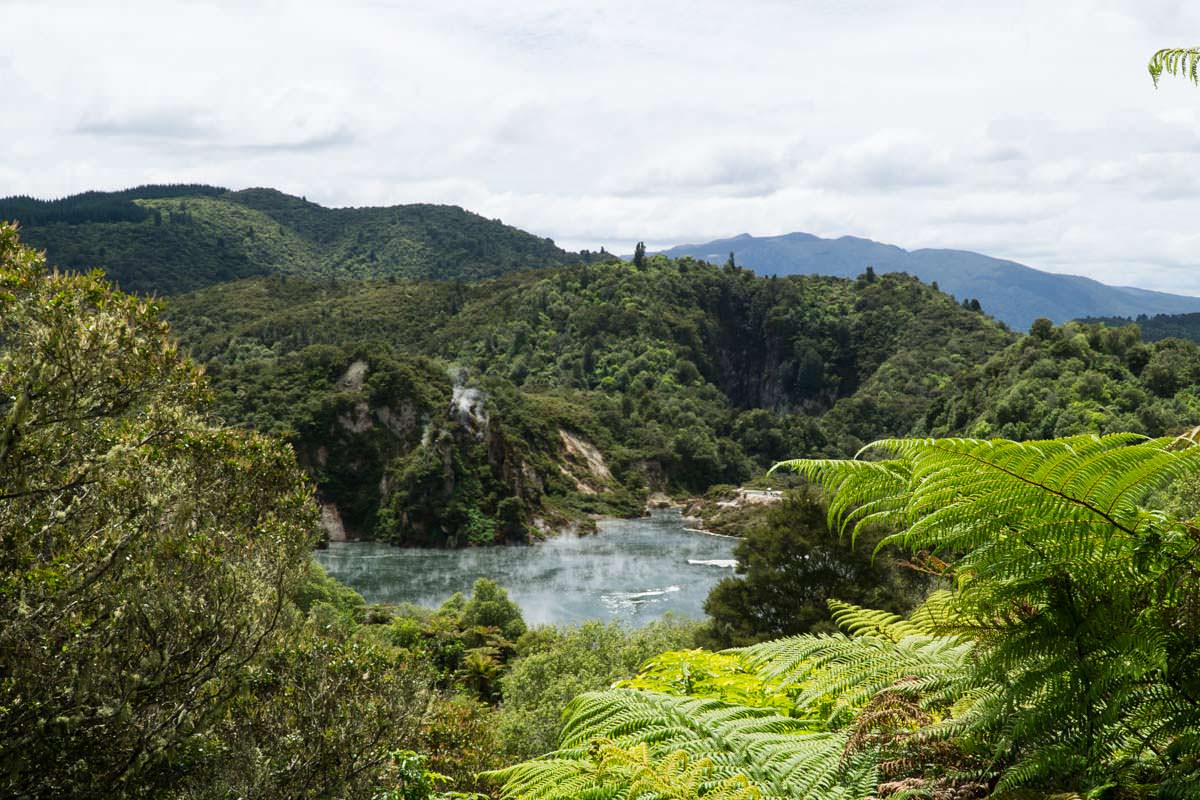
1026 131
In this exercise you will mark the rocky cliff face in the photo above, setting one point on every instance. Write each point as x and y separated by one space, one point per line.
365 428
443 464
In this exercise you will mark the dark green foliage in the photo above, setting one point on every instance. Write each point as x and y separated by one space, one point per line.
678 375
467 642
154 576
790 566
1156 327
317 587
315 721
1071 379
96 206
348 413
489 607
169 239
147 554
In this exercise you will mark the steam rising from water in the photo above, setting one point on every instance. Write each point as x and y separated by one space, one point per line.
632 570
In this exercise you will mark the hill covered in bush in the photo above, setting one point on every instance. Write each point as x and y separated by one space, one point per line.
170 239
1158 326
445 412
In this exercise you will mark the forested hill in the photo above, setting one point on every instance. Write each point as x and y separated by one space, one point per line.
455 413
171 239
1009 291
1158 327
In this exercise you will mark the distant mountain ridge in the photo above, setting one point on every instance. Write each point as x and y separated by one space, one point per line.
1011 292
176 238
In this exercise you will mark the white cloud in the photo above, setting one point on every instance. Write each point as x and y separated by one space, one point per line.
889 159
1026 129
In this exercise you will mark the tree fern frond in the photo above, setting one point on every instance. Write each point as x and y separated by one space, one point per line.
1176 61
838 674
783 756
612 772
856 621
961 493
1072 603
887 481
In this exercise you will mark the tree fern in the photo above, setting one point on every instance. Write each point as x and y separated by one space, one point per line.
612 772
1078 601
783 756
840 674
1065 660
1183 61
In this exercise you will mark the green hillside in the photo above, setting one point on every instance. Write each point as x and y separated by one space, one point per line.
595 383
1071 379
172 239
1159 326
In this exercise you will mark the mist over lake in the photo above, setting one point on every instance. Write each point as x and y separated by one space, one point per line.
631 570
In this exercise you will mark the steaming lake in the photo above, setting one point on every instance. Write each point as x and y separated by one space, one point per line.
632 570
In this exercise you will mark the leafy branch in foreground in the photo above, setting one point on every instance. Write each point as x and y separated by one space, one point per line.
1176 61
151 566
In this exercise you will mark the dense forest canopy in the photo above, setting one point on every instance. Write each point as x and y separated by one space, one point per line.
597 383
174 238
602 382
1157 326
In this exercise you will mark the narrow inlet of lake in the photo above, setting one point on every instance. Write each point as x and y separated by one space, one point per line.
634 570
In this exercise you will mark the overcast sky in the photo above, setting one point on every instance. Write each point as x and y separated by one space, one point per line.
1026 130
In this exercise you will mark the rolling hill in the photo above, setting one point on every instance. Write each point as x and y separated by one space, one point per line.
1011 292
172 239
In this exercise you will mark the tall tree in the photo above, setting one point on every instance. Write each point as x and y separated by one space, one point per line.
790 565
147 555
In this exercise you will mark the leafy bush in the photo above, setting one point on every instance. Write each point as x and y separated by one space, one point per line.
554 665
154 577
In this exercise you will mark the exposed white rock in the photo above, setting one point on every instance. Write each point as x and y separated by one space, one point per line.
331 521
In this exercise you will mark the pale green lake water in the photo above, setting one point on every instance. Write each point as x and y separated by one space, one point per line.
632 570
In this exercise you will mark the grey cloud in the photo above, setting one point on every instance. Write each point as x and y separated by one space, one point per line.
1002 154
883 161
339 137
184 128
162 124
739 169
